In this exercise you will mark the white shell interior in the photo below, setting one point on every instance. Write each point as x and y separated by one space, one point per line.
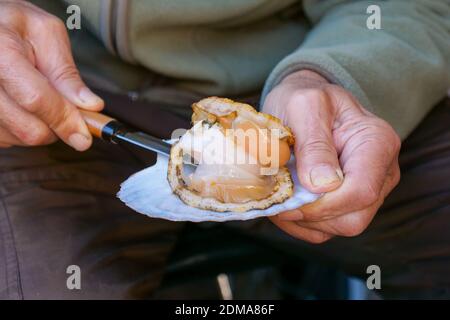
149 193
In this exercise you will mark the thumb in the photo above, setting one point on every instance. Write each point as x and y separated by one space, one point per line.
316 156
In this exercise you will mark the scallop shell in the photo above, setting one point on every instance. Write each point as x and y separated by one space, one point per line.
148 192
154 194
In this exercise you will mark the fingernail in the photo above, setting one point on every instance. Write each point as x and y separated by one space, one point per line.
88 97
79 142
325 175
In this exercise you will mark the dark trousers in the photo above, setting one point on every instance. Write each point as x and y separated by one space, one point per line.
58 208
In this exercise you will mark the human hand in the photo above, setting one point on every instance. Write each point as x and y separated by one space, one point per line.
40 87
341 150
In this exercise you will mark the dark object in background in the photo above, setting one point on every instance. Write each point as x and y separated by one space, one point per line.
254 270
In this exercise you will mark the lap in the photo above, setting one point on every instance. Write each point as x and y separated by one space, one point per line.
58 208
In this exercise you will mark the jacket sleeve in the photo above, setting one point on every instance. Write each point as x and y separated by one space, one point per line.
399 72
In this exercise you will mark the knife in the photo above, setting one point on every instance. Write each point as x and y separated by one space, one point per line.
112 130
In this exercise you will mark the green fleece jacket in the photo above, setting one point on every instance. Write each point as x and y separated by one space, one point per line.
230 47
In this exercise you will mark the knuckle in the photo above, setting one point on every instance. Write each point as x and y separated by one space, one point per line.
32 101
13 13
304 96
34 137
352 232
369 195
316 146
354 227
11 45
60 119
389 134
64 72
396 176
319 238
396 141
315 93
53 24
44 22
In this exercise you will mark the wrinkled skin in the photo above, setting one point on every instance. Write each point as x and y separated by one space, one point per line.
341 150
40 88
